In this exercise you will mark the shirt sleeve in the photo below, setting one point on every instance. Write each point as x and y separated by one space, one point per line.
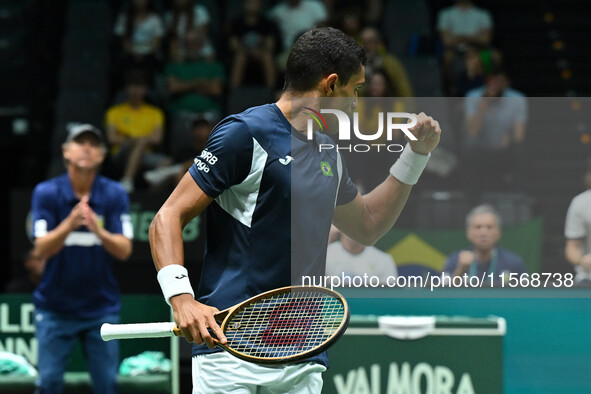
226 159
451 263
575 223
486 20
158 27
42 211
118 220
347 189
520 109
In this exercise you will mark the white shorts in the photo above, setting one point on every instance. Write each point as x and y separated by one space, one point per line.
223 373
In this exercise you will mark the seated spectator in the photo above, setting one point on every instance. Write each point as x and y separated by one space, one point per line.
346 257
35 266
188 148
379 58
293 18
184 16
253 41
140 30
578 233
350 21
194 84
495 121
460 26
135 131
483 231
479 63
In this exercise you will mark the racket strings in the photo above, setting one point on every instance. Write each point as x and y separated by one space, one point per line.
285 324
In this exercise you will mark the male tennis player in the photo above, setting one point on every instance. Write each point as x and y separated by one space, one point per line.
269 190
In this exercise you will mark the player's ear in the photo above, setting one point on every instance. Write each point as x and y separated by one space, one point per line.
330 84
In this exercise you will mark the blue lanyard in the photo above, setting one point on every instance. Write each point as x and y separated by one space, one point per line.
491 268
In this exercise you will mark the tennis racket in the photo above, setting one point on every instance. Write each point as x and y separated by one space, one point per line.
276 327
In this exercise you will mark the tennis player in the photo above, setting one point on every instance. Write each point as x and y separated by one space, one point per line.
268 190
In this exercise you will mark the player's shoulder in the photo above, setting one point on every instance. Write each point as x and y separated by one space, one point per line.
475 93
582 199
152 109
50 187
509 256
118 108
256 121
111 188
510 92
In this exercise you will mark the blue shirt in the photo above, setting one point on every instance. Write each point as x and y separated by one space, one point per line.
499 119
79 279
262 233
505 261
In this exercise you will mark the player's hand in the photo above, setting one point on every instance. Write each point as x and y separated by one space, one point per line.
194 318
585 262
427 132
465 259
76 217
90 218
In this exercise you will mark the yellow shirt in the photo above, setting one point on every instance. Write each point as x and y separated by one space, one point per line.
135 122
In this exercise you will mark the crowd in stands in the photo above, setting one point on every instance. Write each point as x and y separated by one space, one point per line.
177 64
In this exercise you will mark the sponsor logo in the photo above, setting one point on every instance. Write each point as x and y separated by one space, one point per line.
181 276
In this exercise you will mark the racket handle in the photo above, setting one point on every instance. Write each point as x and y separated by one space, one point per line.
139 330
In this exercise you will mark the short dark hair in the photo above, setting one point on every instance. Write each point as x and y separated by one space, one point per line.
318 53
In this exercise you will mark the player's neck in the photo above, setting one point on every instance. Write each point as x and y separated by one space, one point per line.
81 181
292 107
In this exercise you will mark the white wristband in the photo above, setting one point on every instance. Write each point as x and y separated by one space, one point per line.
409 166
174 280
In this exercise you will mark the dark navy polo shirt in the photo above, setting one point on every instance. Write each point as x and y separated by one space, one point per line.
275 195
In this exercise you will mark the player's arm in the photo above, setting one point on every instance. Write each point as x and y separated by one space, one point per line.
48 243
166 242
368 217
573 252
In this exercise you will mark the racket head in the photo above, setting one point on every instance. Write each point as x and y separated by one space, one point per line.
285 325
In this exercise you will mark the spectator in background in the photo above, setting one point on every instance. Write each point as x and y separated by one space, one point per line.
460 26
346 257
483 230
253 41
379 58
140 30
379 96
184 16
371 14
293 18
188 148
578 233
81 223
34 265
495 122
479 63
350 21
135 131
194 84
